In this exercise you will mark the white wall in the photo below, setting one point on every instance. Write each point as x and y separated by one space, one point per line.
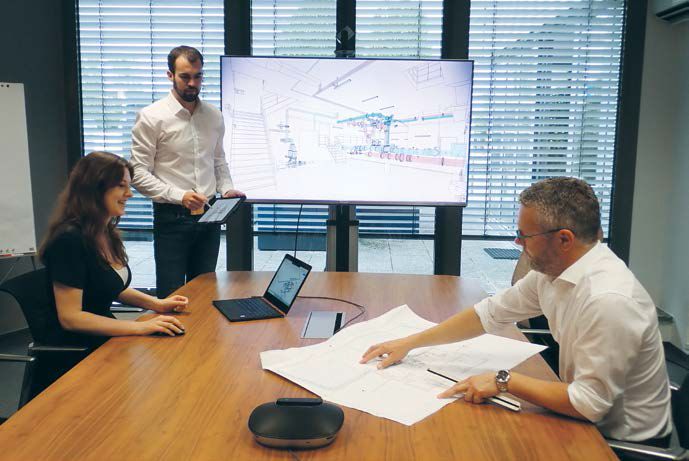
676 279
659 254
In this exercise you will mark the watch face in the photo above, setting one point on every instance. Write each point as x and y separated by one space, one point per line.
501 379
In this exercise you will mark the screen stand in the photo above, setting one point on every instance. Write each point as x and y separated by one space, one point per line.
447 249
342 240
239 239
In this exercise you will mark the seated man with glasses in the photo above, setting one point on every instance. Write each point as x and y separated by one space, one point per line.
612 363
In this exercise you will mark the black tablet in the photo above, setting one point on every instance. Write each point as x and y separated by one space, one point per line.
221 210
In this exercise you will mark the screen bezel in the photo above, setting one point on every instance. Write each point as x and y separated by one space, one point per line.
363 202
275 301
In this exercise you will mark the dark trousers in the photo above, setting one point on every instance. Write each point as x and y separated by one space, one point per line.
183 248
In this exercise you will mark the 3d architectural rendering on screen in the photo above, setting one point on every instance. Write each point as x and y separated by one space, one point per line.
383 131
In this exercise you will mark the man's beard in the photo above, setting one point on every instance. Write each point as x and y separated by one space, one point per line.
190 95
537 265
542 264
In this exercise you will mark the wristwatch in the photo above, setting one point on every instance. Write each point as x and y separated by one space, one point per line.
502 377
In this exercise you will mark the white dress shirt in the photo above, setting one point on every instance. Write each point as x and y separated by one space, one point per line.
174 151
611 352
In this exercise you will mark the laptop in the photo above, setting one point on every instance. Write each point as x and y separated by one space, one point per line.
276 301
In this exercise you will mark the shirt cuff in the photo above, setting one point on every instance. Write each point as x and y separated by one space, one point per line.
483 310
176 195
583 403
225 187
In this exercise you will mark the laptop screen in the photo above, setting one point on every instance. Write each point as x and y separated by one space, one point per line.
287 282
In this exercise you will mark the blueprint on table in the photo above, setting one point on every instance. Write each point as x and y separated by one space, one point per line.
405 392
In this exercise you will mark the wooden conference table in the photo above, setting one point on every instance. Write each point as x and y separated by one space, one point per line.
189 397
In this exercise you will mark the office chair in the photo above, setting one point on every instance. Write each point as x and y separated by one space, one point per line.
679 443
27 377
47 360
537 329
521 269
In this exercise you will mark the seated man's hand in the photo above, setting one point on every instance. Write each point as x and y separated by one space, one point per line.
475 389
233 193
391 352
174 303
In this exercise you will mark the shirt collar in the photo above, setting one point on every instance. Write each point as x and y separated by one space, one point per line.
176 107
574 273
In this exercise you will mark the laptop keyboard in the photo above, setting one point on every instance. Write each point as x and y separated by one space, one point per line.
255 307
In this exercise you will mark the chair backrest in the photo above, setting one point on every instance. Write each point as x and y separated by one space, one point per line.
521 269
680 412
33 293
541 323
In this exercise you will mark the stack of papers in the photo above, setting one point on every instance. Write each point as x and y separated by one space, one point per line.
405 392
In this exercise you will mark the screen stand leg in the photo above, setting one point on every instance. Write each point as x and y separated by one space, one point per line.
342 246
447 249
239 239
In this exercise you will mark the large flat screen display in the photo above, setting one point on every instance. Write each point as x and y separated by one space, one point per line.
358 131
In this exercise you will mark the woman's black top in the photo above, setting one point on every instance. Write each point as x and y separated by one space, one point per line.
72 262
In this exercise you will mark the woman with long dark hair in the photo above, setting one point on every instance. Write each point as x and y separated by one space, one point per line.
87 262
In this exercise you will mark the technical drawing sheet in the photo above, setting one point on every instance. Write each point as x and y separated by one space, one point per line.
405 392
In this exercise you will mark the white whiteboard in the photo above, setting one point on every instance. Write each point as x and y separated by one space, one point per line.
17 233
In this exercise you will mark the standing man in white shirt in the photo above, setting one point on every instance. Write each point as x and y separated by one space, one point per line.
612 363
179 162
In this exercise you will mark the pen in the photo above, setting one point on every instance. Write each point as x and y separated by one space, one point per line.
497 400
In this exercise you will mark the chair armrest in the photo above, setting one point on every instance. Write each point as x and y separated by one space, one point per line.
16 358
121 309
535 331
27 379
641 452
43 348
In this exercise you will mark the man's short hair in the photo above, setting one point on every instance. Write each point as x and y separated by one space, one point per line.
568 203
191 53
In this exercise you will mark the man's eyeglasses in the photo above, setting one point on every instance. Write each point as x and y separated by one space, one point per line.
521 236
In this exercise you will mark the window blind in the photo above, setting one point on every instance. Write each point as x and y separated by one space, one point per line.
545 86
124 46
399 28
293 27
546 80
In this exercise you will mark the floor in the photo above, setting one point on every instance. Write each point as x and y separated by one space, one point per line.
375 255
